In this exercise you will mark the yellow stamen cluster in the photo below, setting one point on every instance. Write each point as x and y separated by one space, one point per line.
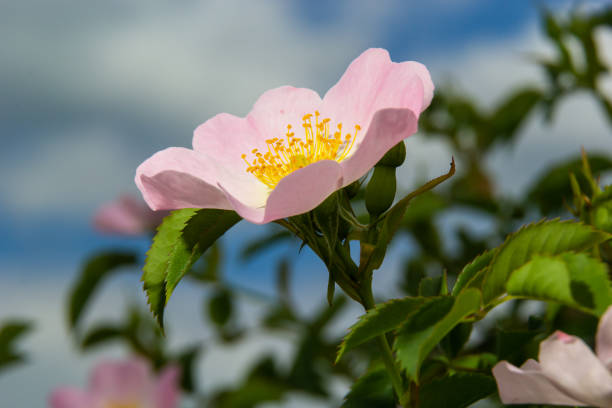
292 153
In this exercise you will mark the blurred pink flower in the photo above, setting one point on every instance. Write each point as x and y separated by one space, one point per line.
568 372
122 384
260 168
127 216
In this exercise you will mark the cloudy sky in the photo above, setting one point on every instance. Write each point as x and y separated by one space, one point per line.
90 90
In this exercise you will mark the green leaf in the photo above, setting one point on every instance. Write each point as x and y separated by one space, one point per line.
100 335
549 191
181 239
467 275
220 307
575 280
509 343
425 328
456 391
10 332
187 360
543 238
373 389
384 318
95 271
454 341
509 116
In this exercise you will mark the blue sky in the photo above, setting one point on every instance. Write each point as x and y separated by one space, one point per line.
91 90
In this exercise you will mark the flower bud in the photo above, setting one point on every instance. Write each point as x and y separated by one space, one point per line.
394 157
380 191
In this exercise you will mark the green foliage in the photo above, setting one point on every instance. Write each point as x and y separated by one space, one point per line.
373 389
602 210
470 271
392 220
181 239
425 328
96 269
576 280
384 318
434 286
220 307
10 333
553 188
508 343
456 391
509 116
543 238
101 335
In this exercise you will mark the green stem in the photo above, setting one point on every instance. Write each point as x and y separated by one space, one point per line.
368 303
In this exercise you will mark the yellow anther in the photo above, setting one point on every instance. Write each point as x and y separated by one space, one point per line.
291 153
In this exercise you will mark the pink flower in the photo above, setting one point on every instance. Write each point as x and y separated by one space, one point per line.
293 149
125 384
127 216
568 372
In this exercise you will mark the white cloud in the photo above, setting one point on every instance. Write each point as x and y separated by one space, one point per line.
62 174
174 64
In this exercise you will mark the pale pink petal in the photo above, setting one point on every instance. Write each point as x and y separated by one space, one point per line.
373 82
571 365
70 398
388 128
603 341
296 193
527 385
127 216
167 389
226 137
121 381
180 178
279 107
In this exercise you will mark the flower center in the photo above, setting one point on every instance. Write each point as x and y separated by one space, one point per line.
291 153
